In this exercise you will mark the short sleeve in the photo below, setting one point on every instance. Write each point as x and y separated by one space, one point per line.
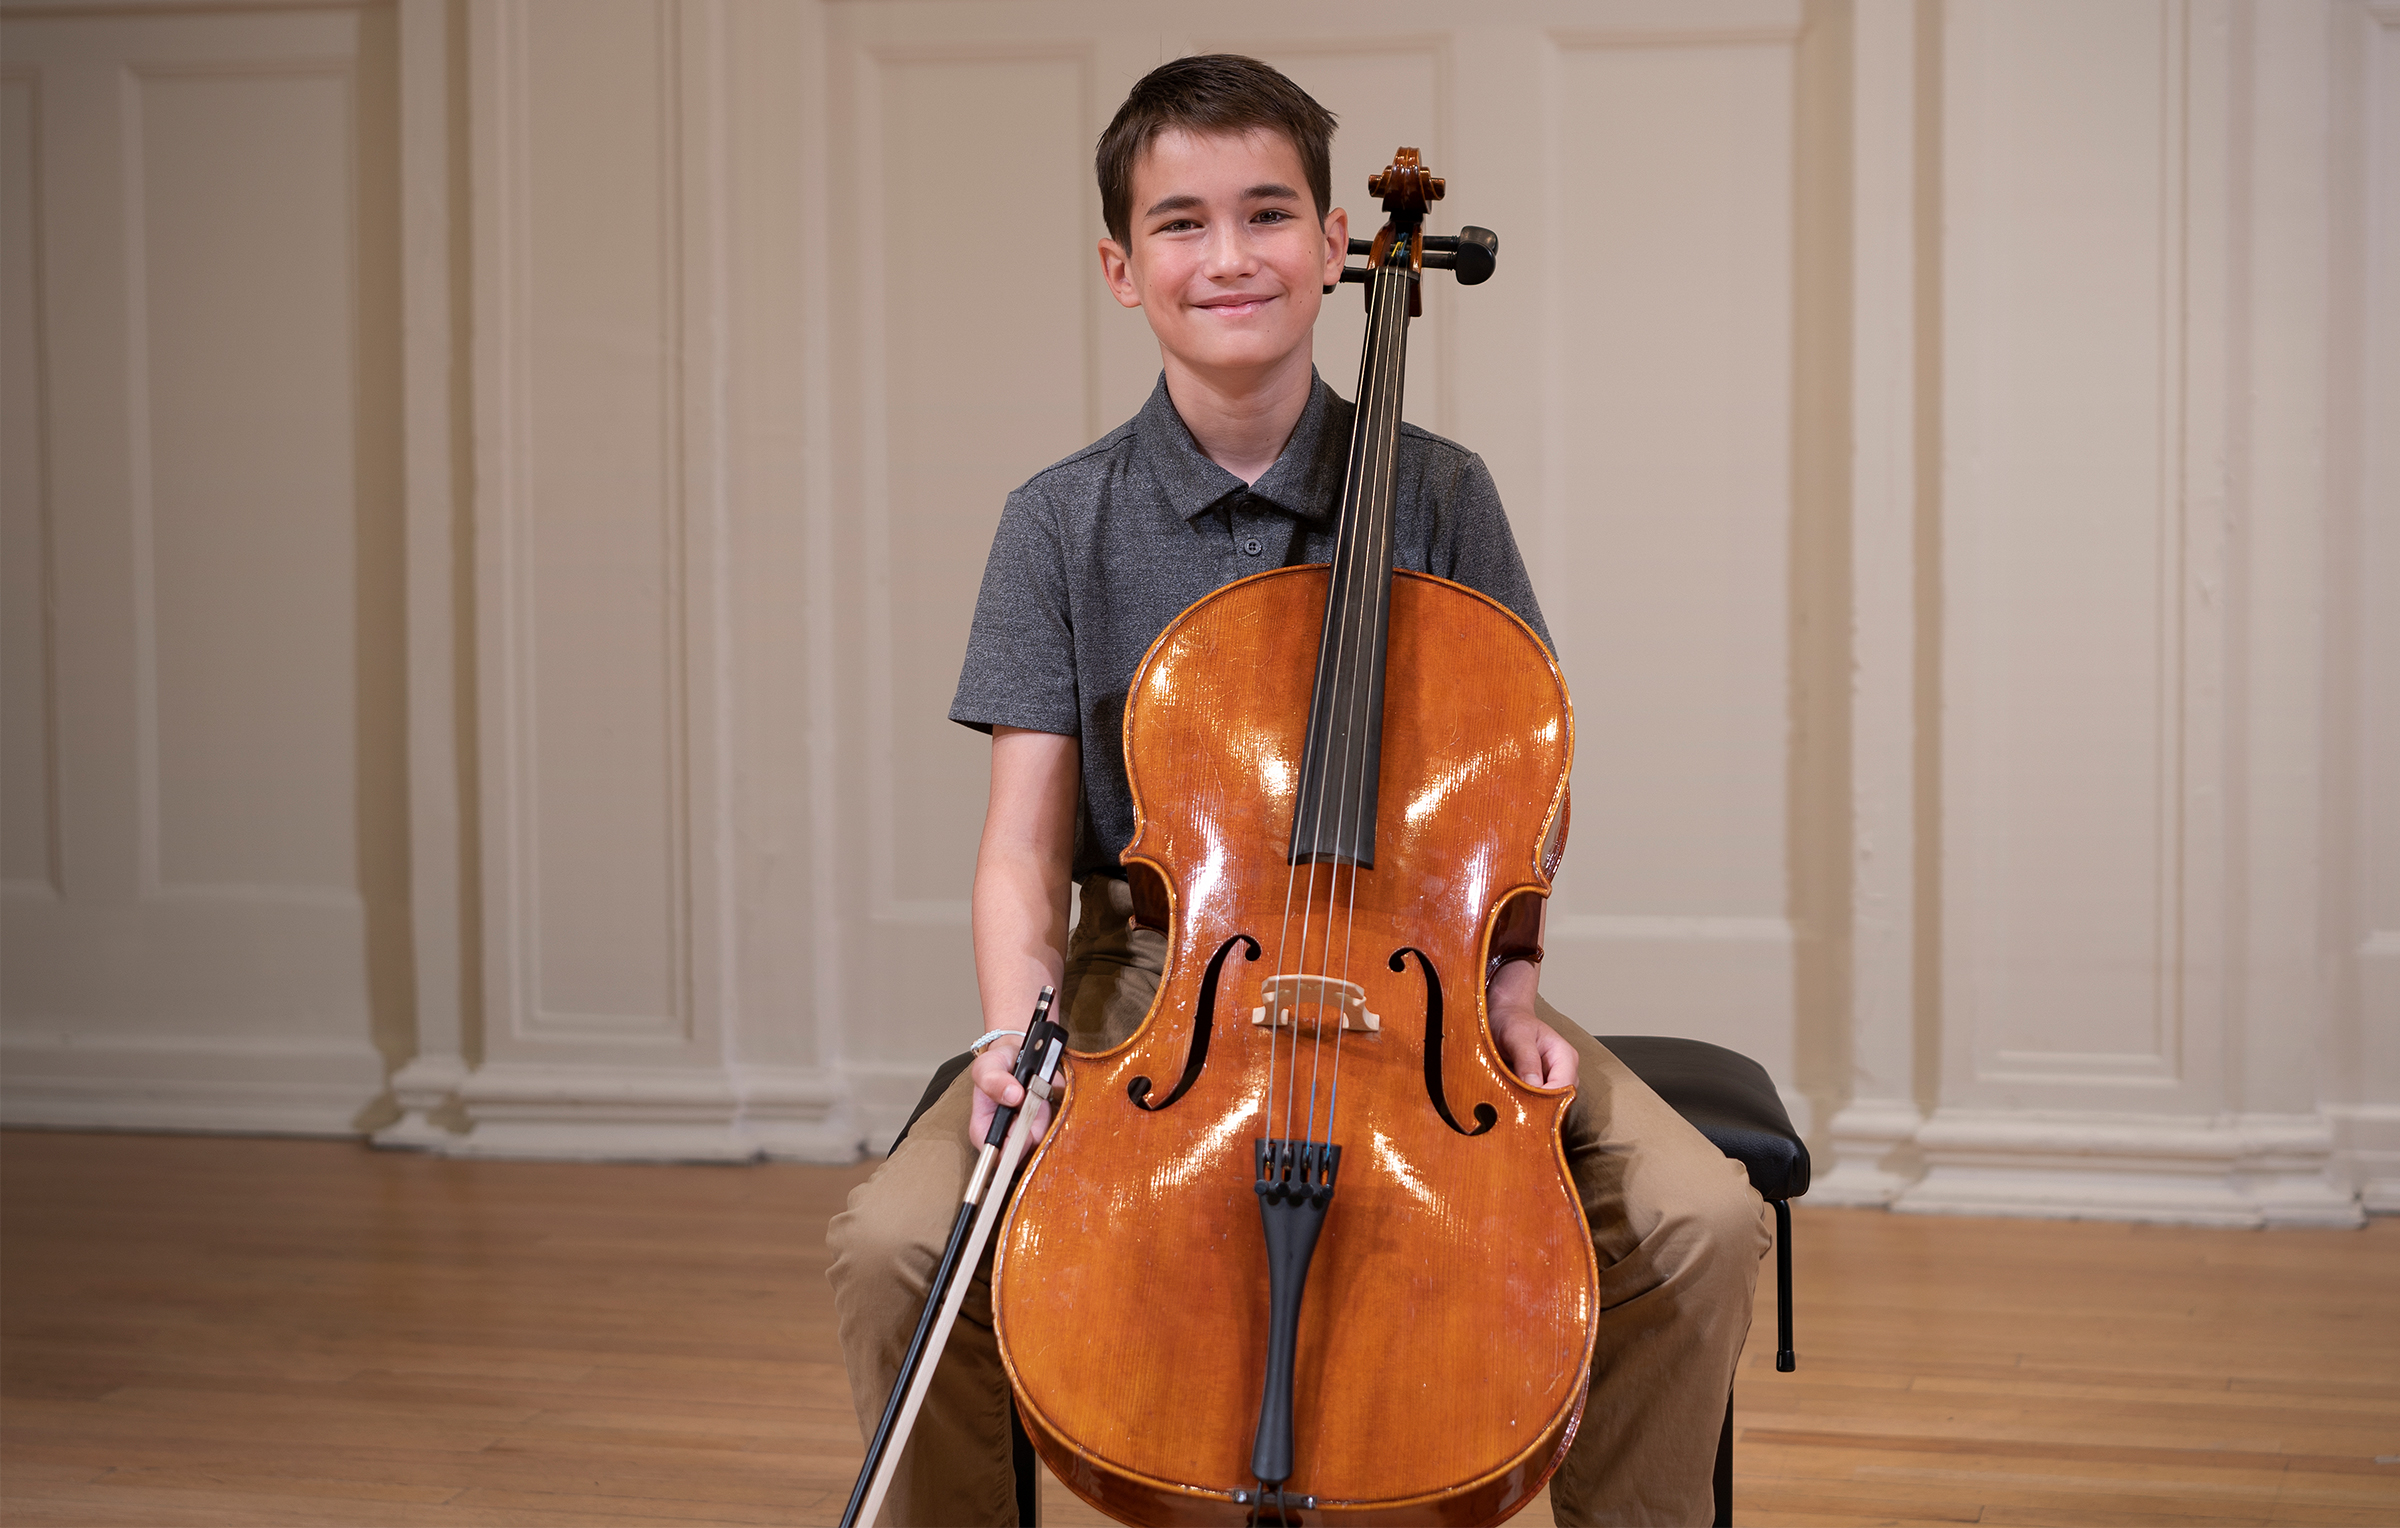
1020 664
1478 549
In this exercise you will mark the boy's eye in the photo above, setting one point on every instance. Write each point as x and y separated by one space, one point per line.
1272 215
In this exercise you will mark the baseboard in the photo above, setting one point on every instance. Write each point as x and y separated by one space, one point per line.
2243 1171
652 1114
882 1097
600 1114
256 1086
1872 1145
2367 1148
797 1114
425 1094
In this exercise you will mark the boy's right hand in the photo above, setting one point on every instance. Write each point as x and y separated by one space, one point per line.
996 1085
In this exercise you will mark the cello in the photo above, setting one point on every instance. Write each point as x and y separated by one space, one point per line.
1303 1249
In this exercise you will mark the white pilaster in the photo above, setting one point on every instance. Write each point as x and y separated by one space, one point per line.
425 1088
1872 1135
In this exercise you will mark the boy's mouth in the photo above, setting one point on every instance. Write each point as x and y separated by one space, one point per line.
1236 307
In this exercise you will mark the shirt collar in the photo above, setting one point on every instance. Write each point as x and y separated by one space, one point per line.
1305 482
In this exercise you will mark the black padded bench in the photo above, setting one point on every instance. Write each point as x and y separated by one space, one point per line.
1730 1099
1727 1097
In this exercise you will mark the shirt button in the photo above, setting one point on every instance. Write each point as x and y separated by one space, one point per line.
1251 546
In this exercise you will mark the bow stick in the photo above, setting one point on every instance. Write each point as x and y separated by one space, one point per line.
1004 1146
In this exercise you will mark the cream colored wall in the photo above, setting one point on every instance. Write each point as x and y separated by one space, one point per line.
494 493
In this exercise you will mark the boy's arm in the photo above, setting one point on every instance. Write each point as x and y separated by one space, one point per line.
1022 871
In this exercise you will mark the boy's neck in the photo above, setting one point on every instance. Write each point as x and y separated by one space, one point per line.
1242 422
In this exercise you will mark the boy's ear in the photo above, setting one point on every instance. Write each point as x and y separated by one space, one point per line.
1117 271
1337 244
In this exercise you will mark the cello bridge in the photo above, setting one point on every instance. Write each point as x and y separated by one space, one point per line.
1301 1002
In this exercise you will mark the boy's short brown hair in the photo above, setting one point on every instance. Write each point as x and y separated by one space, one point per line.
1211 93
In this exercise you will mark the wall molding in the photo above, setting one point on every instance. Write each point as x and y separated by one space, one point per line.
2367 1138
66 10
882 1096
425 1090
642 1113
173 1082
1873 1146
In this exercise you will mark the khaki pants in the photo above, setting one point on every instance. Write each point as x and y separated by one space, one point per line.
1677 1227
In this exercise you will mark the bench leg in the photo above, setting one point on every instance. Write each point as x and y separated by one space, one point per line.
1029 1468
1723 1481
1784 1361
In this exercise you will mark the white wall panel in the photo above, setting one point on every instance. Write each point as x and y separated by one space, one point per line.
246 406
588 524
2367 1055
982 367
602 613
978 366
1667 530
2109 533
28 736
2379 564
2072 533
209 208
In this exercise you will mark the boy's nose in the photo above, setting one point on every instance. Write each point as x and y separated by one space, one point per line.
1229 251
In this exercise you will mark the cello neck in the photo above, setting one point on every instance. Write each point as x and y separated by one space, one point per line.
1335 820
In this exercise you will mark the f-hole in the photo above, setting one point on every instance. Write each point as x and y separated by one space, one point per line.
1485 1115
1203 1021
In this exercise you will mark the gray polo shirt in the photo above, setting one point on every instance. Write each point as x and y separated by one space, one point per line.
1095 555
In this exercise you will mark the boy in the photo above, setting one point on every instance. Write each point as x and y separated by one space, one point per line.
1215 187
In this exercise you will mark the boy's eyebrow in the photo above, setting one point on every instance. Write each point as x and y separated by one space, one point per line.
1184 201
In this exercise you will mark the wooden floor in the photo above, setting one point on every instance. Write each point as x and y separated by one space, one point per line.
213 1331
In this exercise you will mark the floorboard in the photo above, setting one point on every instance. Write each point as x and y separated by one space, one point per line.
199 1330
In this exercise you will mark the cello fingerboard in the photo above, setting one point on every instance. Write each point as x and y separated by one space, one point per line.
1342 761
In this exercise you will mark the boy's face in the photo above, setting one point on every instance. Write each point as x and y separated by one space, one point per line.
1226 257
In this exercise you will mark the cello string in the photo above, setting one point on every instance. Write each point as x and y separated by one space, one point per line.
1343 606
1385 510
1343 691
1357 578
1330 646
1383 412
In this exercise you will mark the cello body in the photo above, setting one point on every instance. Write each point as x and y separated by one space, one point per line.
1446 1341
1303 1249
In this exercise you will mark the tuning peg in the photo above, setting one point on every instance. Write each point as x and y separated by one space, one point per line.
1470 256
